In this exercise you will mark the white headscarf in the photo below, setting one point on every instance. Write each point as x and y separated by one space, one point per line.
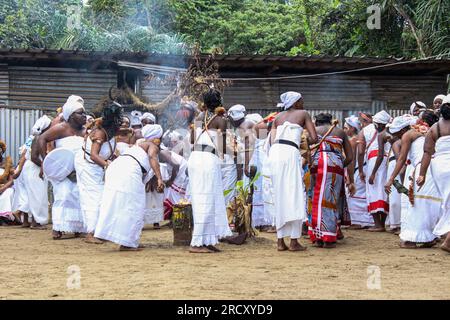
254 117
152 131
439 96
72 104
149 116
417 103
288 99
399 123
353 121
382 117
237 112
135 118
446 99
41 124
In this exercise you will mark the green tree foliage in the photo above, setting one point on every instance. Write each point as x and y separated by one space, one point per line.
411 28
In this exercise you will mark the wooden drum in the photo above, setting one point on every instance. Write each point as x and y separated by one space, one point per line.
183 224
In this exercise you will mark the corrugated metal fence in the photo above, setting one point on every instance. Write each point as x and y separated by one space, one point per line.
15 127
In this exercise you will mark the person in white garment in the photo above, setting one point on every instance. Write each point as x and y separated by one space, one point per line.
286 170
417 107
147 118
6 187
91 162
68 137
357 203
437 101
205 176
154 207
424 209
35 188
395 198
437 151
373 149
20 200
122 208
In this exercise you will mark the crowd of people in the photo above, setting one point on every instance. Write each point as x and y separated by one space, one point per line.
105 178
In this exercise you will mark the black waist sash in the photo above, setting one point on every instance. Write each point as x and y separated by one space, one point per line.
205 148
287 142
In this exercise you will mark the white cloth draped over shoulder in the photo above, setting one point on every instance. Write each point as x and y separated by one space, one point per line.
122 206
66 210
267 186
287 176
206 192
419 221
90 180
440 171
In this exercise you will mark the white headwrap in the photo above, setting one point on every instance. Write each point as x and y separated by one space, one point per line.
288 99
353 121
41 124
382 117
400 123
135 118
72 104
152 131
446 99
417 103
255 117
149 116
439 96
237 112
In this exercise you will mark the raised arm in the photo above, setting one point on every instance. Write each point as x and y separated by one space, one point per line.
98 138
406 146
166 156
19 168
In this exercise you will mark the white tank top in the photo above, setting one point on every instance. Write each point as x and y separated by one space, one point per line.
442 145
416 152
289 131
105 151
73 143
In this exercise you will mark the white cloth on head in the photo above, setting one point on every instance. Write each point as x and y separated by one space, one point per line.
382 117
237 112
135 119
254 117
289 98
152 131
399 123
286 174
41 124
122 206
353 121
148 116
417 103
72 104
440 171
439 96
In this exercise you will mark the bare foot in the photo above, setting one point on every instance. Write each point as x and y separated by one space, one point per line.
376 229
25 225
329 245
124 248
445 246
271 230
38 226
296 246
340 235
199 250
57 235
91 239
355 227
428 244
318 244
281 245
394 230
213 248
156 226
408 245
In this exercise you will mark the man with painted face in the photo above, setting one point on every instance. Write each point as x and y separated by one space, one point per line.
373 149
66 211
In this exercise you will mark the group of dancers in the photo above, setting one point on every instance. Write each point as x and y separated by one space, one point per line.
109 176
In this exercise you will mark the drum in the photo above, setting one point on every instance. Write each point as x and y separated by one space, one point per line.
59 164
183 224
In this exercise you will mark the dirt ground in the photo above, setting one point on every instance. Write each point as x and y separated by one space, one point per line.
35 267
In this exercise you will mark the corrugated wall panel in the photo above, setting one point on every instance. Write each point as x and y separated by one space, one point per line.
4 84
400 92
48 88
15 127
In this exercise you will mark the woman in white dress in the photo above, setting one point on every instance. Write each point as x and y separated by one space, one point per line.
205 177
437 144
66 211
424 209
122 206
286 170
91 163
